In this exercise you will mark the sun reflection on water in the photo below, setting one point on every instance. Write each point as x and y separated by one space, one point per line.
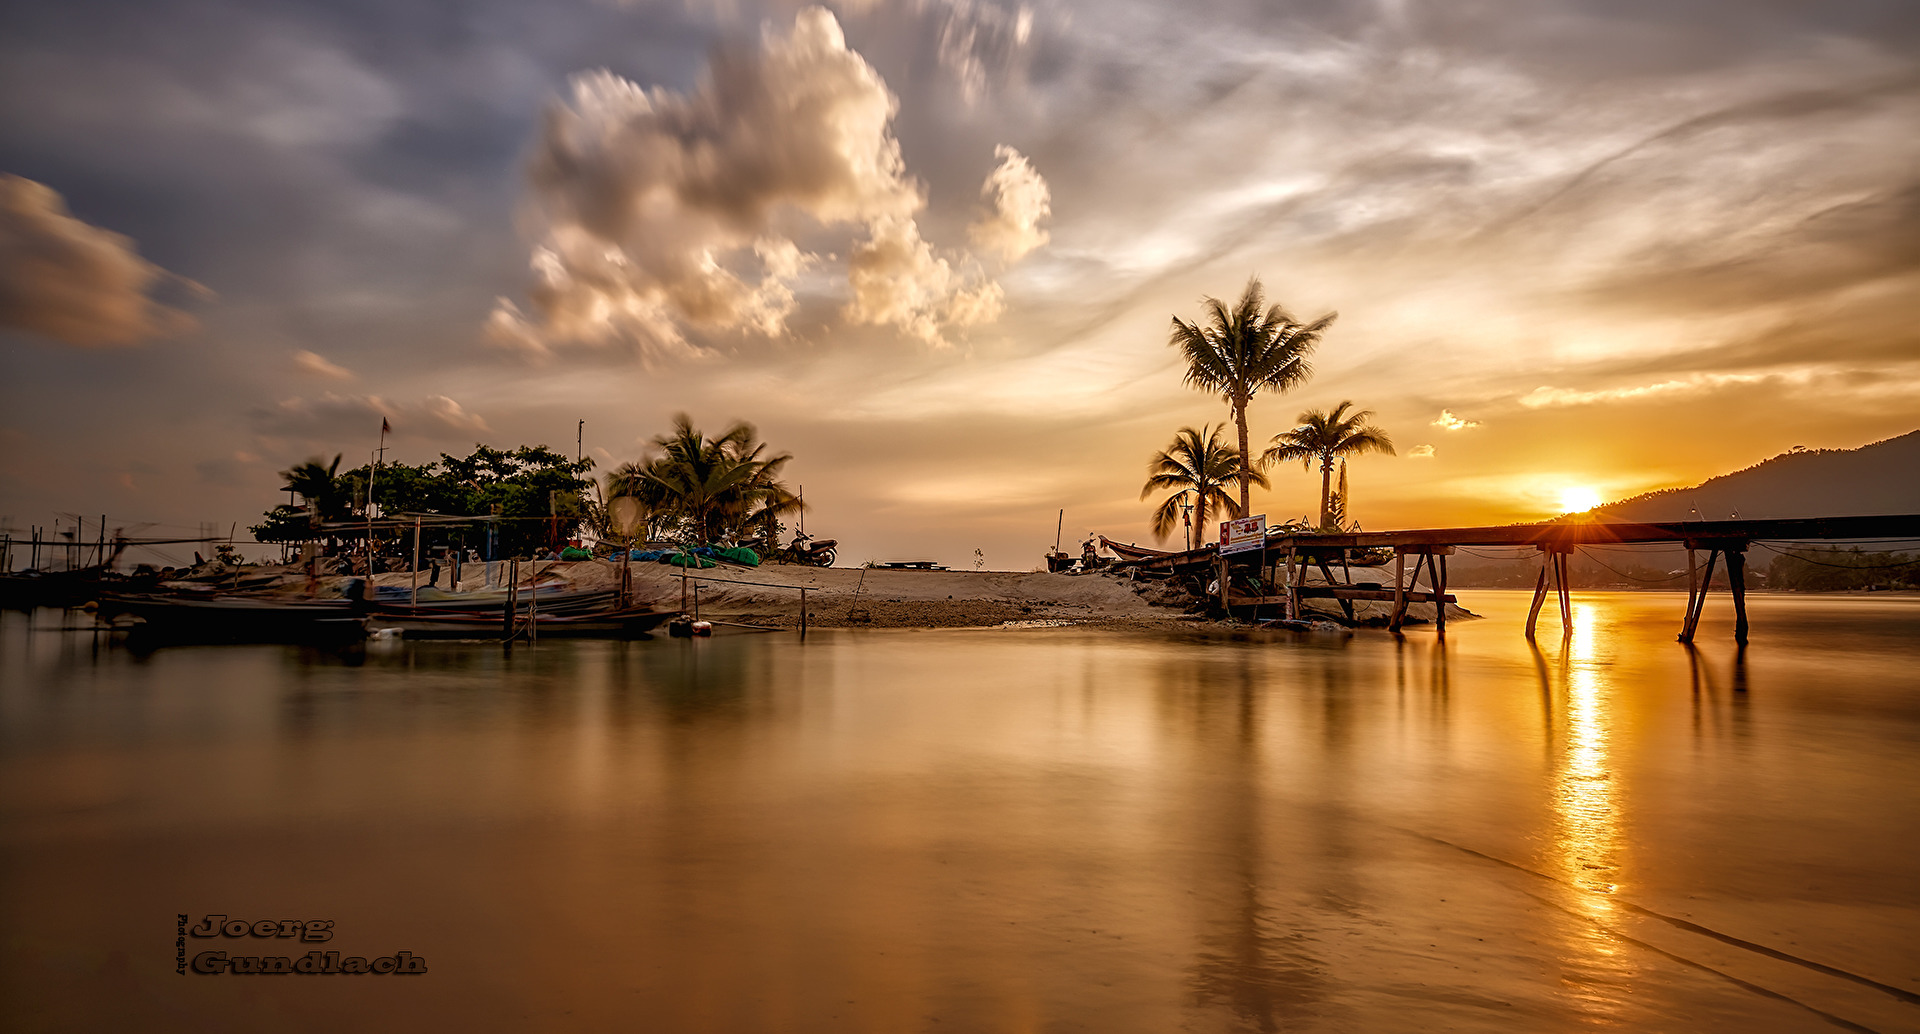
1588 835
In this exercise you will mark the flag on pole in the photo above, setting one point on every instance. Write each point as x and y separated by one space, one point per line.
385 428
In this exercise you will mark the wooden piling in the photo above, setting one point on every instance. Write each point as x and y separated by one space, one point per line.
1566 603
1737 582
1400 589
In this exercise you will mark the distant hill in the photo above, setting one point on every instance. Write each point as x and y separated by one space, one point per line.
1880 478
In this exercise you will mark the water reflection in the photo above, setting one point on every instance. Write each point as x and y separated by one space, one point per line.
1252 958
1588 835
1586 848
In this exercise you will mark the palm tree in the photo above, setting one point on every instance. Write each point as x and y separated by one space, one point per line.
709 486
325 496
1242 350
1199 467
1327 437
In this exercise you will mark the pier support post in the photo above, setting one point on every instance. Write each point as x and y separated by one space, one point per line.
1346 605
1566 604
1438 566
1697 592
1737 582
1553 574
1399 589
1293 584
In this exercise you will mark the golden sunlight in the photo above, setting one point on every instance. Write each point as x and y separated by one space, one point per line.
1578 499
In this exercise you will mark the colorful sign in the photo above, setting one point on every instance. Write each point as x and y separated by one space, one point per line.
1243 534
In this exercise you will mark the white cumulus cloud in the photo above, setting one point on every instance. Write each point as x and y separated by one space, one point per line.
1454 423
1020 200
663 211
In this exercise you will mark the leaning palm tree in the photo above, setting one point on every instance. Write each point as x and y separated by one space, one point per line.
1327 437
1242 350
1198 466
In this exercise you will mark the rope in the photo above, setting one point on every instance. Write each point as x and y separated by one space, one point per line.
1844 567
1635 578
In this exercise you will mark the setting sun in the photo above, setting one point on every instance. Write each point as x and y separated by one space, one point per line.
1578 499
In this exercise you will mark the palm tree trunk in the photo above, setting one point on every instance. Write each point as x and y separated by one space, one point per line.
1246 462
1326 487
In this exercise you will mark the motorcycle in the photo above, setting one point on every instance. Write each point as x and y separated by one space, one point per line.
805 550
802 550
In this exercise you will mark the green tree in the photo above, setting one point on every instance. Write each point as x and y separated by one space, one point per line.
1241 350
1197 466
1327 437
537 495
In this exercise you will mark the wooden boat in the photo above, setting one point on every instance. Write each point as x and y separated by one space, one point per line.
234 619
448 623
1129 551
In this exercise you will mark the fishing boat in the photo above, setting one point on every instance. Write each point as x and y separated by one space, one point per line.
233 619
450 623
1129 551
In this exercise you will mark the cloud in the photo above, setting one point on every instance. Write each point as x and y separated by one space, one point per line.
1694 384
897 279
1420 452
71 281
975 37
1453 423
663 212
312 363
1020 201
346 417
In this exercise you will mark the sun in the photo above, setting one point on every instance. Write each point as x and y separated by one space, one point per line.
1578 499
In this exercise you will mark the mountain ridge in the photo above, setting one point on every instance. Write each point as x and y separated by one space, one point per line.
1881 477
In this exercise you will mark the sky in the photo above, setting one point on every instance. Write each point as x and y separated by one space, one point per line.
932 248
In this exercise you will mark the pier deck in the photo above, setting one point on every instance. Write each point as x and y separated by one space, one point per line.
1286 557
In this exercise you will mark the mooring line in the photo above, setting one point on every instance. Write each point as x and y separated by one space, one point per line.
1899 993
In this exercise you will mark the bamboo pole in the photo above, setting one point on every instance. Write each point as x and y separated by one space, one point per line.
413 576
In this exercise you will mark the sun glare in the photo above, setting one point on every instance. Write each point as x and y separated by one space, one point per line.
1578 499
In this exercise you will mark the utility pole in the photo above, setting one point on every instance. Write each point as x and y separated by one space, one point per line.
579 435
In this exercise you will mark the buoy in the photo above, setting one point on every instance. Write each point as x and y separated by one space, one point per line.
703 628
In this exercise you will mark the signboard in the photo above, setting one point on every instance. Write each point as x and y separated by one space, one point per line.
1243 534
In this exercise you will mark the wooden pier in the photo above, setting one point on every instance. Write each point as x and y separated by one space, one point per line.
1283 563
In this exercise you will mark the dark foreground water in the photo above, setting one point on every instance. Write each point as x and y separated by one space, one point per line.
982 830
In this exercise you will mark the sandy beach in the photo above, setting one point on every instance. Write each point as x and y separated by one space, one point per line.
887 598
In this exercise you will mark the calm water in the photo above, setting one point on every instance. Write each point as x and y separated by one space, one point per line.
984 830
